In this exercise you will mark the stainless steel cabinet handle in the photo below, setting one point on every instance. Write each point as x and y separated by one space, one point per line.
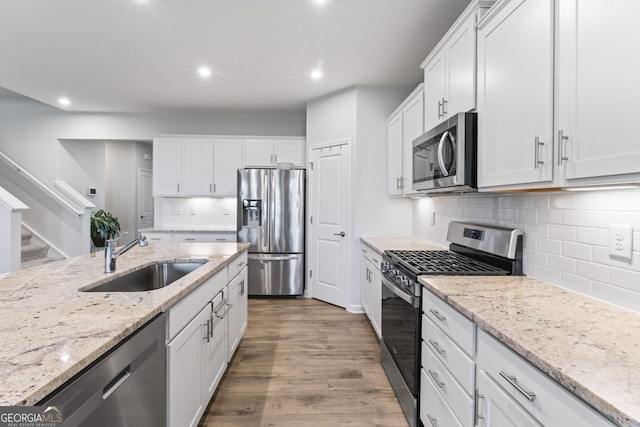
208 335
189 239
221 240
561 139
242 287
439 316
444 107
401 182
435 378
439 109
536 157
229 307
210 188
436 346
433 421
513 381
178 186
219 307
367 275
341 234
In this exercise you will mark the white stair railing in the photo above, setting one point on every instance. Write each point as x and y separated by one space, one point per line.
40 185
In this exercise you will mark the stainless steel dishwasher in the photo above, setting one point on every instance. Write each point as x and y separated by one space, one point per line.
126 387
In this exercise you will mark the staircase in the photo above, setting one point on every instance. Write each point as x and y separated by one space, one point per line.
34 251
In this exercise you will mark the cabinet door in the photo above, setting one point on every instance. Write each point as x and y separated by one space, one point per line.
214 351
289 151
185 379
167 166
376 301
258 152
237 316
198 167
227 159
412 127
515 94
498 409
434 90
461 70
394 155
365 290
598 87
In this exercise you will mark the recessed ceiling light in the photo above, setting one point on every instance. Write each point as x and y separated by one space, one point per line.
204 72
316 74
320 1
64 101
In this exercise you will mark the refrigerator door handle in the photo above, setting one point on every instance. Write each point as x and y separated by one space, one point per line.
269 257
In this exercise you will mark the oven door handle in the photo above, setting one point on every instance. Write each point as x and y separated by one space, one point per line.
406 297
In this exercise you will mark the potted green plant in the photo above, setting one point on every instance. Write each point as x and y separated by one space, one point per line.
103 226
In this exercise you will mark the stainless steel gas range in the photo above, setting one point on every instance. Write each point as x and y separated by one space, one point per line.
475 250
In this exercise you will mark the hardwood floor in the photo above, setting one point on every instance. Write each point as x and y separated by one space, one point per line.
305 363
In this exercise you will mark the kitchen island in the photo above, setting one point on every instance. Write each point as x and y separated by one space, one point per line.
49 331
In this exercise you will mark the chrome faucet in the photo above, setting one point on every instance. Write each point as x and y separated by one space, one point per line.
111 254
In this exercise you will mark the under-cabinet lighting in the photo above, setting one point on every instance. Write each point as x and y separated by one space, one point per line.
64 101
625 186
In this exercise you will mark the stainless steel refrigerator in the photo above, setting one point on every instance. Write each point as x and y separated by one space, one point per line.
271 205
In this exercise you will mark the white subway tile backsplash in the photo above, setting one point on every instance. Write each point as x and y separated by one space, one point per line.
566 235
593 236
578 218
576 250
592 271
550 246
575 283
562 232
564 264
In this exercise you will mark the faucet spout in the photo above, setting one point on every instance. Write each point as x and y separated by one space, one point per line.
111 254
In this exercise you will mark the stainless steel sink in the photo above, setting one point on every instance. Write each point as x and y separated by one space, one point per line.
155 276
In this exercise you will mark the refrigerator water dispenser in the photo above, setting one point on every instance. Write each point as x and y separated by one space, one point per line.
251 213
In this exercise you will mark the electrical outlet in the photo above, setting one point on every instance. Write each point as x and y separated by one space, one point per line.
621 241
192 210
177 210
432 218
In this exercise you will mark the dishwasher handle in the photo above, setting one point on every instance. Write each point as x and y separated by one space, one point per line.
116 382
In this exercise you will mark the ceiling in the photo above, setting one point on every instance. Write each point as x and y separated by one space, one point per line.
143 56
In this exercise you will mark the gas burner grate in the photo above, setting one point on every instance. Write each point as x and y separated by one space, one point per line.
444 263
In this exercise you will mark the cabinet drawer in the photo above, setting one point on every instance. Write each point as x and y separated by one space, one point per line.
456 397
372 255
183 311
460 329
547 401
434 412
237 265
158 237
452 357
207 237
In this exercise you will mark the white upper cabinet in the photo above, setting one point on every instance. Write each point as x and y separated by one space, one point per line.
404 125
167 164
515 93
450 69
260 152
598 91
227 159
198 167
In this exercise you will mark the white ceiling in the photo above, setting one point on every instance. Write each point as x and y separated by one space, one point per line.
134 56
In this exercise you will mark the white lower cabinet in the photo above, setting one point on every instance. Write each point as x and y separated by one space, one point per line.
236 295
199 347
371 287
209 237
511 391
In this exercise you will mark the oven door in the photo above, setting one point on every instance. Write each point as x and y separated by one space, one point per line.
401 331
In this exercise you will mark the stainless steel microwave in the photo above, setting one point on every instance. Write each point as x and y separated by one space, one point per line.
444 158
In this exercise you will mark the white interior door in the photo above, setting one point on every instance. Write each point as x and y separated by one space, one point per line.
145 199
330 234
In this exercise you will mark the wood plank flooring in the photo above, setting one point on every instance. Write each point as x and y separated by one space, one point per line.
305 363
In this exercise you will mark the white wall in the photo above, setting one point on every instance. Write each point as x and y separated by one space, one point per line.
566 236
359 114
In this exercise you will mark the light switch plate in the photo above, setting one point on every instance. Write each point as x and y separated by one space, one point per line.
621 241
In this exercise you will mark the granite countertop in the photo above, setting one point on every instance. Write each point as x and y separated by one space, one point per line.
381 244
188 229
49 331
591 348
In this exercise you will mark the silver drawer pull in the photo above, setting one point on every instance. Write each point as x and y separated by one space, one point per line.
435 378
439 316
512 380
436 346
433 421
188 239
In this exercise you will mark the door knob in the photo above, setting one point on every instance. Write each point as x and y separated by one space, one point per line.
341 234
